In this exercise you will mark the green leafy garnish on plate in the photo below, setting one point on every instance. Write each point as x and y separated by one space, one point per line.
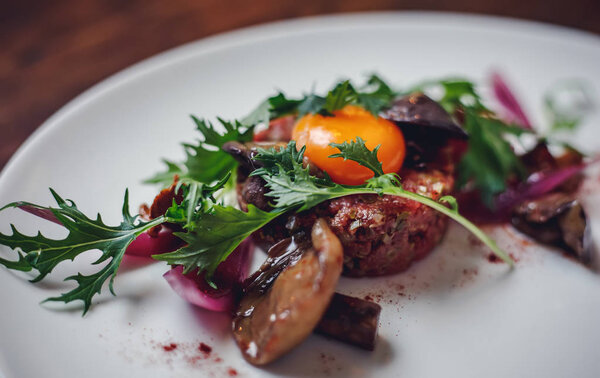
44 254
205 161
293 187
490 161
374 96
212 230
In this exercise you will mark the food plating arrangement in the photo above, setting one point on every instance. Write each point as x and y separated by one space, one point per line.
359 181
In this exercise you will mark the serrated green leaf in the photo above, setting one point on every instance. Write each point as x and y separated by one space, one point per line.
205 162
341 95
374 96
310 104
357 151
293 188
216 234
44 254
261 114
21 264
286 157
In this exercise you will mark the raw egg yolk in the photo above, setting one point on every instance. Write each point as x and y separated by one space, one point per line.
316 132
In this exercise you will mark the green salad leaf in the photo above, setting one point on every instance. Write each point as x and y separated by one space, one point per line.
44 254
205 162
357 151
374 96
490 161
216 233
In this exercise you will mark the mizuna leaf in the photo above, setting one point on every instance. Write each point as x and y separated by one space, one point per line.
205 162
293 188
215 235
357 151
44 254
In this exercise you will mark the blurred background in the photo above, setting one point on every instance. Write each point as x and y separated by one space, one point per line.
52 50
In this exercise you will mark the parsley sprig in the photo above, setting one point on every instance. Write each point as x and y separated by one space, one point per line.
357 151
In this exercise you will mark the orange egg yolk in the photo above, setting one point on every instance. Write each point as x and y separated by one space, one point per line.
316 132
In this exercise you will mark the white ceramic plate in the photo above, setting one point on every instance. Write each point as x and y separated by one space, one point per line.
453 314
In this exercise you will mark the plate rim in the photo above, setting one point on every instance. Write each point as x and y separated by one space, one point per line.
283 29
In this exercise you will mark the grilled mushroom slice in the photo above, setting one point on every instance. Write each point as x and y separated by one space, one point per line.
556 219
419 116
274 317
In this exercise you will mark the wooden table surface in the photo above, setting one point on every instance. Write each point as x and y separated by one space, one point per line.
52 50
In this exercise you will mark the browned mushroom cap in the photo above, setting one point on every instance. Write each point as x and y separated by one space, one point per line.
419 116
244 153
557 219
270 323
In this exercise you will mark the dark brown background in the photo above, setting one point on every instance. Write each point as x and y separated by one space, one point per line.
51 50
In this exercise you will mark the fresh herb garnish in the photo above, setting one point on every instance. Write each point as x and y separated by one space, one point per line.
292 187
205 161
343 94
216 233
374 96
358 152
43 254
490 161
212 230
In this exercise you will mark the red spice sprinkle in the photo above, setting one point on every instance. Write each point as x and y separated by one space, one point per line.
232 372
496 260
368 298
170 347
206 349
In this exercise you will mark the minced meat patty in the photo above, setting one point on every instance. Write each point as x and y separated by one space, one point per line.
380 234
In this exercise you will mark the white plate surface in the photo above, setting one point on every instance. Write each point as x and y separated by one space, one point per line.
454 314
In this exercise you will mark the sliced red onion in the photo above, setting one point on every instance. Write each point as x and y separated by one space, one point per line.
41 212
146 246
509 102
228 277
539 184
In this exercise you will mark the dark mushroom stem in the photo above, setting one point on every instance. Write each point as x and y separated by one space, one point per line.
351 320
292 295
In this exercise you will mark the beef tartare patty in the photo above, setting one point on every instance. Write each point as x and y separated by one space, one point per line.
380 234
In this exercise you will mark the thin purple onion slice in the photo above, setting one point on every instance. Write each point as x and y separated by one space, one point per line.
228 277
538 184
509 102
